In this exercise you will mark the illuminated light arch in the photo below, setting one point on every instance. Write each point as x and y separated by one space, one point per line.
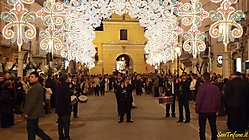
157 16
91 13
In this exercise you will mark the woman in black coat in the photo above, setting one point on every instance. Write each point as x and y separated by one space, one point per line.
139 85
6 105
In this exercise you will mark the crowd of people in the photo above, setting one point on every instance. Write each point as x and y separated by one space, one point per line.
232 96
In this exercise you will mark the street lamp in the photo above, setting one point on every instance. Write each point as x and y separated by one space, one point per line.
226 28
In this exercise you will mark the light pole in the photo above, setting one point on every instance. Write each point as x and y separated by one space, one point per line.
226 28
19 28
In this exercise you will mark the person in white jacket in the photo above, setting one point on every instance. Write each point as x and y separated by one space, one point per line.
192 87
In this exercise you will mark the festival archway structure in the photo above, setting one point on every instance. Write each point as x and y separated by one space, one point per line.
70 25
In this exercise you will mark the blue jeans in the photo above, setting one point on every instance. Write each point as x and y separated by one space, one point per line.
33 130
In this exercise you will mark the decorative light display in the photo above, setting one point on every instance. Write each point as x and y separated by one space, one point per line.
175 50
78 53
13 2
226 28
19 28
52 39
159 47
69 52
194 41
52 13
193 14
151 14
70 25
160 35
77 37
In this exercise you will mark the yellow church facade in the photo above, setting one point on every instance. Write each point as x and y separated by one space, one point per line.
110 45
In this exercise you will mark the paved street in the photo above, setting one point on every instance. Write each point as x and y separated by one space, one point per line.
98 120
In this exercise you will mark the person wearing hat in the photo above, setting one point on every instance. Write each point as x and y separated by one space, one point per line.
235 93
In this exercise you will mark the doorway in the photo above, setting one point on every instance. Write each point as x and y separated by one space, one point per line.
124 64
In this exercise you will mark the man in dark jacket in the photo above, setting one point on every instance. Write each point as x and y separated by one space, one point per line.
63 107
170 91
207 105
183 98
33 108
235 94
118 90
6 105
139 85
128 99
74 90
102 85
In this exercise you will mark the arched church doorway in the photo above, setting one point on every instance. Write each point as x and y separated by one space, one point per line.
124 64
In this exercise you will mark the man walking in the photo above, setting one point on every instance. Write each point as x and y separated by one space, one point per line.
33 108
207 105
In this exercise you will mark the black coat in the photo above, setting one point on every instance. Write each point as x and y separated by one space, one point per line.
235 93
6 101
139 85
102 83
128 95
63 99
184 92
20 93
120 95
117 85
